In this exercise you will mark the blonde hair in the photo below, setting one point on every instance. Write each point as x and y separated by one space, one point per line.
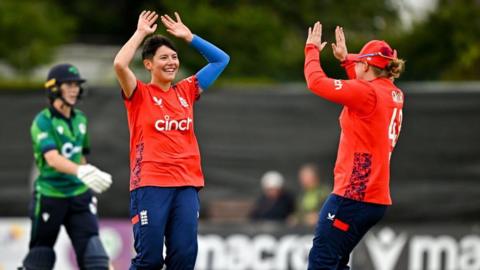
393 70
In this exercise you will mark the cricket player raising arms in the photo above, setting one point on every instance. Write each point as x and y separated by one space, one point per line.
370 124
165 174
62 193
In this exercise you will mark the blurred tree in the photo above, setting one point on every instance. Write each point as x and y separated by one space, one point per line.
30 32
445 46
265 39
106 21
261 46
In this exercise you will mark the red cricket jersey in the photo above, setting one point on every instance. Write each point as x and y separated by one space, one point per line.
163 147
370 124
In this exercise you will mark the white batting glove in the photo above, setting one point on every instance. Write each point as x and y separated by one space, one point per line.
95 179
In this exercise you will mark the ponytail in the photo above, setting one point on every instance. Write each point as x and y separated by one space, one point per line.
393 70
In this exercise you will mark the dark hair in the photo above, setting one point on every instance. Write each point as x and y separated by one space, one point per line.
152 43
392 70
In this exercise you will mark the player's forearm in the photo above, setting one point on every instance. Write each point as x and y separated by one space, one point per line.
351 93
212 53
125 75
217 61
349 67
313 72
60 163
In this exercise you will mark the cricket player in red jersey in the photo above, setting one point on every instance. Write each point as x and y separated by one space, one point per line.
164 157
370 124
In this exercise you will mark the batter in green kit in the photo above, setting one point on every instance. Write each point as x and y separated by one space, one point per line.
51 130
63 191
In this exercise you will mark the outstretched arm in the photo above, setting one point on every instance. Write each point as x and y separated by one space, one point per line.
354 94
146 25
91 176
217 59
60 163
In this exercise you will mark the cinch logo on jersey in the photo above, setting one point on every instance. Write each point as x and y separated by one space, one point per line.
168 124
68 150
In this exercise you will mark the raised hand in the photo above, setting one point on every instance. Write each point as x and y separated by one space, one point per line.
340 47
315 36
146 22
177 28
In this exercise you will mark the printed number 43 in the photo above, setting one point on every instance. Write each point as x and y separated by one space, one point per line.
395 126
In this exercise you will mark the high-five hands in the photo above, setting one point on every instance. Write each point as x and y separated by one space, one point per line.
177 28
94 178
340 47
315 36
147 22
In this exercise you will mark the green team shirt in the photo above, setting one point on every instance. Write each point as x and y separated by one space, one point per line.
51 130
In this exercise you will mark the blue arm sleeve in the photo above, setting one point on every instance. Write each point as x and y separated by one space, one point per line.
217 61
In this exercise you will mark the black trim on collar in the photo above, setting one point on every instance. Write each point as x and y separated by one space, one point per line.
57 114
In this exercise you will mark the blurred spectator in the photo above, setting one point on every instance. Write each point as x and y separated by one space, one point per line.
275 203
313 195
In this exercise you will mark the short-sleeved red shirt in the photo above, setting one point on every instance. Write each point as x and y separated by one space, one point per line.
370 121
163 148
